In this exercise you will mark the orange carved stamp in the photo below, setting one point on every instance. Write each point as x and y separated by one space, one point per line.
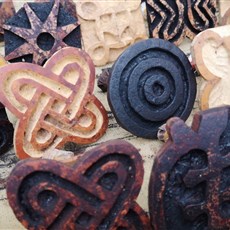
224 11
211 55
54 104
109 27
6 11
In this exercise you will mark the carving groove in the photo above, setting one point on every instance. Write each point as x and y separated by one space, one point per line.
38 30
150 82
54 104
173 20
211 55
189 184
109 27
98 192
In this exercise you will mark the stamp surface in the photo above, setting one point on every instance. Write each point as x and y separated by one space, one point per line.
189 185
150 82
38 30
98 192
54 104
211 55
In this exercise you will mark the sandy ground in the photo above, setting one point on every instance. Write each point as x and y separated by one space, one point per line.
148 150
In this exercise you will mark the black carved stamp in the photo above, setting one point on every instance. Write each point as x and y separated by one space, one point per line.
151 82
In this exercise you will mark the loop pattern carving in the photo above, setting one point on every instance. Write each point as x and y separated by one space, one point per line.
98 192
54 104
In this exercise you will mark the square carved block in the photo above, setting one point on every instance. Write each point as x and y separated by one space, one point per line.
224 7
109 27
54 104
6 11
211 55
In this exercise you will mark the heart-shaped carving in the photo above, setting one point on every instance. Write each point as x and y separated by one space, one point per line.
190 186
211 55
54 104
98 192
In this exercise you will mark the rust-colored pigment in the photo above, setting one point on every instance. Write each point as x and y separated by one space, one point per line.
189 185
98 192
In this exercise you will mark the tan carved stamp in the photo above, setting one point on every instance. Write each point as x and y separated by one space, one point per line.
211 55
109 27
54 104
224 10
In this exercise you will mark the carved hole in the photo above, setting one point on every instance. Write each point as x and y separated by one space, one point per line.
43 136
45 41
158 89
83 219
108 180
47 199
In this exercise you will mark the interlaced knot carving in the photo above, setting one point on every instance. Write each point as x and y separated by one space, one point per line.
54 104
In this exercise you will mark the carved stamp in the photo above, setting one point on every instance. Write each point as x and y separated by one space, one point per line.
173 20
38 30
98 192
150 82
109 27
189 185
211 55
68 5
6 11
224 11
54 104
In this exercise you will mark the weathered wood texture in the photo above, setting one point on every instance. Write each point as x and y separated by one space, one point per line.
173 20
189 185
38 30
224 11
6 11
109 27
54 104
211 55
150 82
98 192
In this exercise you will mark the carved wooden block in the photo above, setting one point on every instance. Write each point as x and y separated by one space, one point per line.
189 185
98 192
6 11
150 82
109 27
224 11
54 104
173 20
38 30
211 55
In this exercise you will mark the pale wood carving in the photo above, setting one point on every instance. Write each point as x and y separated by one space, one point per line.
211 55
54 104
224 10
109 27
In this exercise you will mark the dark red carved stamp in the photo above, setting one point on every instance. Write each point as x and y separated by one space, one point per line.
98 192
38 30
190 186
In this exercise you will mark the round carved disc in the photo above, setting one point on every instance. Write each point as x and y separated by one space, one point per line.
151 82
190 182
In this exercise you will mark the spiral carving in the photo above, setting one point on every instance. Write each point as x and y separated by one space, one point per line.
173 20
151 82
98 192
